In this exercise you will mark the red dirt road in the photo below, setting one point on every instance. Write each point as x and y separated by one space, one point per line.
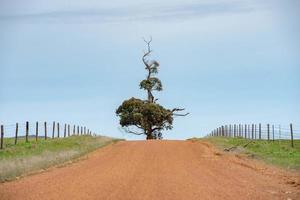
155 170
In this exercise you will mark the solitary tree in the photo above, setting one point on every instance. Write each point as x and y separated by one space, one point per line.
147 117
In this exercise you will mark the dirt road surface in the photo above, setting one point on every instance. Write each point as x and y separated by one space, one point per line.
166 170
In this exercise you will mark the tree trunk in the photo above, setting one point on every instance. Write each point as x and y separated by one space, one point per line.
150 137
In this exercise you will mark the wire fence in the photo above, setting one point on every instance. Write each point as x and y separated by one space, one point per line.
267 132
12 133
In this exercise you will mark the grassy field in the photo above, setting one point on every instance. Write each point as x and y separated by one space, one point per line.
25 158
279 152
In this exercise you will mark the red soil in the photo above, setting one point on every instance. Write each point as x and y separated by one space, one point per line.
147 170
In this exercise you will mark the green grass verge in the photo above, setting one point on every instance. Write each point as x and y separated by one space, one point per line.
279 152
28 157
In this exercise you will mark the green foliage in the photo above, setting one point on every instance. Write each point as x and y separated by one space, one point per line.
147 115
152 83
144 115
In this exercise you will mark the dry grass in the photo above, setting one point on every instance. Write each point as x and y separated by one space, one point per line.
23 159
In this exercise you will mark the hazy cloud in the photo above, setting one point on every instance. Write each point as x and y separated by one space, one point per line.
133 13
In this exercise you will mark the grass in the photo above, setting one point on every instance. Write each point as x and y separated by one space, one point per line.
279 152
28 157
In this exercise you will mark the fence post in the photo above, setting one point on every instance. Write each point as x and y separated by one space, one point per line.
222 130
45 126
65 130
268 129
259 131
255 131
74 129
2 135
279 132
53 130
235 130
249 132
81 130
68 130
17 130
273 132
58 129
27 131
241 130
36 131
292 135
252 135
245 131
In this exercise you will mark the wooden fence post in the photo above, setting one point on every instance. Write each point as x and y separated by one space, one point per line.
27 131
279 131
245 131
2 136
68 130
234 132
268 129
45 126
53 130
36 131
58 129
17 130
273 132
259 131
292 135
249 132
222 130
252 135
74 129
65 130
255 131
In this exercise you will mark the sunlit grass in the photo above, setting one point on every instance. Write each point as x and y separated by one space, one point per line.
26 157
278 152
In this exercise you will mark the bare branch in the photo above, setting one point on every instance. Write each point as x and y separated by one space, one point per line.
148 43
135 133
147 53
178 109
181 115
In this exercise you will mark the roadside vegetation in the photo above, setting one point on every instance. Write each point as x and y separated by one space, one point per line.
29 157
279 152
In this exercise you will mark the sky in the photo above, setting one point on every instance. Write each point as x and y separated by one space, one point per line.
224 61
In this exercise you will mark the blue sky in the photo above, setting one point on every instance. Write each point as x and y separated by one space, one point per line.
225 61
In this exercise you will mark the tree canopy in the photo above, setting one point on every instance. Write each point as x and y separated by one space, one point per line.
147 117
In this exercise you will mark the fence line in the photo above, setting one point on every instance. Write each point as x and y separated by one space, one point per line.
254 132
37 131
